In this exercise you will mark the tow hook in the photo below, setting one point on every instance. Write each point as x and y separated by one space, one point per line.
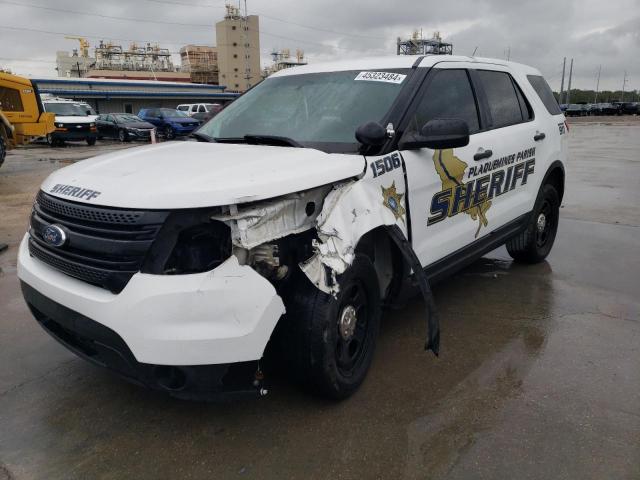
258 383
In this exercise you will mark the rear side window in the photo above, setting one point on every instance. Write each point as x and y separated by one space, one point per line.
10 100
543 90
448 95
502 95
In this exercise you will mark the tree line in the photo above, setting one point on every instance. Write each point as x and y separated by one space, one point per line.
604 96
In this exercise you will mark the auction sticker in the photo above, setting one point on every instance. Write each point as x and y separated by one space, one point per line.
388 77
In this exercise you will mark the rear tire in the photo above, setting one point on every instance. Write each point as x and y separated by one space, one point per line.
91 141
169 134
329 342
534 243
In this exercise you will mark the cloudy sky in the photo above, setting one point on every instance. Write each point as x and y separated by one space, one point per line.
539 33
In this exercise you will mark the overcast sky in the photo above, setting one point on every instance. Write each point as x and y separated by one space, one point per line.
539 33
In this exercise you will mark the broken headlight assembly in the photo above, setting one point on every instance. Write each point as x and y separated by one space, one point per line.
189 242
199 248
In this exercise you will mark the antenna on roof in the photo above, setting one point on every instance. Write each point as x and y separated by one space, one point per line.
474 52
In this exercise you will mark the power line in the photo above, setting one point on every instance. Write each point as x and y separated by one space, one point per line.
201 25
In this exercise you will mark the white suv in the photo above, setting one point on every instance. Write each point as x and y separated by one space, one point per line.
308 203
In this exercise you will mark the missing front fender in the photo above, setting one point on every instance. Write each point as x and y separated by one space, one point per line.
433 323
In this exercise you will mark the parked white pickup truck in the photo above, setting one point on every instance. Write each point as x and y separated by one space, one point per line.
307 203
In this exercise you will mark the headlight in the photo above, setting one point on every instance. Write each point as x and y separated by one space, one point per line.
59 125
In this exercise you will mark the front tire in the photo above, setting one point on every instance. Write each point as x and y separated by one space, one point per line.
122 136
169 134
534 243
329 342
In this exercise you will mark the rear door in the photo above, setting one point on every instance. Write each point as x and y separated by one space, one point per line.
511 132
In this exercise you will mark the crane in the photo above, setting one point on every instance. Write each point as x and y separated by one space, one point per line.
84 45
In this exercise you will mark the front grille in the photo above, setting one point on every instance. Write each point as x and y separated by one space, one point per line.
104 247
77 127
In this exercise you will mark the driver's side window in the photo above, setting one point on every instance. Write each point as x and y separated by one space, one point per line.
448 95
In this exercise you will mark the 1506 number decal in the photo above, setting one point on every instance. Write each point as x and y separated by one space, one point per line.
386 164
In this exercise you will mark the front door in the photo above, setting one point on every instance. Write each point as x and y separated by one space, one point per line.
446 214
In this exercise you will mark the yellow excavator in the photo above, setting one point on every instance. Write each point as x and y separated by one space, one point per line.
22 117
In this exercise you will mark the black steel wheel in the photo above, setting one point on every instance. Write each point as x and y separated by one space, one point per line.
535 242
328 342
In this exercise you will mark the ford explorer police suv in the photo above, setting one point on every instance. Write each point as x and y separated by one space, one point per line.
308 203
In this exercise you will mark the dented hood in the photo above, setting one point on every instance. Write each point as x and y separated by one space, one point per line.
197 174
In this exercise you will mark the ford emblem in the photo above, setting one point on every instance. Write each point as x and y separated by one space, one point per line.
54 235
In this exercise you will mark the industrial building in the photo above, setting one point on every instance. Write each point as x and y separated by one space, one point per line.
108 96
238 44
201 62
283 59
416 45
112 61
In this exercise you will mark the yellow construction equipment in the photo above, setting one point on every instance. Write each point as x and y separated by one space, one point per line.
22 117
84 45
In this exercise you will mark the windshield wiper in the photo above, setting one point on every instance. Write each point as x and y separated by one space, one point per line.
274 140
201 137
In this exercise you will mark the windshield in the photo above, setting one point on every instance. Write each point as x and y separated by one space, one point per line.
315 109
66 109
127 118
170 113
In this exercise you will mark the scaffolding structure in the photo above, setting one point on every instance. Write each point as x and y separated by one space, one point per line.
201 62
416 45
151 57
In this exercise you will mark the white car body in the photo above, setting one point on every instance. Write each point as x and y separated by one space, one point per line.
228 314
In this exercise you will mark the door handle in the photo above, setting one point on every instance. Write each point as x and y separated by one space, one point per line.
482 155
539 136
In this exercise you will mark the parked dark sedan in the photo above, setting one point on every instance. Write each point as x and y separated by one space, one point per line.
123 126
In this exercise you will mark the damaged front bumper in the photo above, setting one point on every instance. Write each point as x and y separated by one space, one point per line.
224 316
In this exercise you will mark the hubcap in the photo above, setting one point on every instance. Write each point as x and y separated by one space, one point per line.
348 320
542 222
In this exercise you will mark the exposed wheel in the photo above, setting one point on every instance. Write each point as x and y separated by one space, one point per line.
91 141
535 242
329 342
122 136
169 133
3 150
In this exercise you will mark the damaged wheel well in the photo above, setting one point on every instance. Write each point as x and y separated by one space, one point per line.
387 260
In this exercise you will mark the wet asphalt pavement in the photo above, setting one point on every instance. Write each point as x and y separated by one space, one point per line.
538 376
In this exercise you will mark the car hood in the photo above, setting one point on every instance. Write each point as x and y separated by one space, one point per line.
74 119
176 175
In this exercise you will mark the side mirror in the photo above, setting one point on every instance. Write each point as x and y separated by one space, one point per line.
371 134
439 133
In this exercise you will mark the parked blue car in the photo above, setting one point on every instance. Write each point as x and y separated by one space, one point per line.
169 122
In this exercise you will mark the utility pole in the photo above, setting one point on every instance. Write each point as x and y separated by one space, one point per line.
569 86
564 66
595 100
624 84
